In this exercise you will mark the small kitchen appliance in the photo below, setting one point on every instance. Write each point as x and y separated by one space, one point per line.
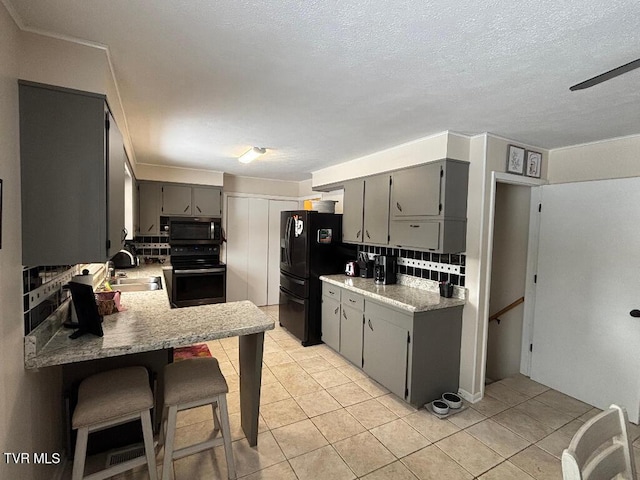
351 269
365 265
195 231
385 269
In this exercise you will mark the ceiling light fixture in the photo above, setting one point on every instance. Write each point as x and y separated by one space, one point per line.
251 154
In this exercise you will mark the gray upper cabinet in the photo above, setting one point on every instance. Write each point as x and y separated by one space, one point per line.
365 217
416 191
207 201
429 207
176 200
376 210
72 175
352 213
149 205
430 190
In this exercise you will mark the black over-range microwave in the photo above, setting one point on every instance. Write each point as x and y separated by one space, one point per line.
194 230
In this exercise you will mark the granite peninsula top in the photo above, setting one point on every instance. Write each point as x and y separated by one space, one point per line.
397 295
148 323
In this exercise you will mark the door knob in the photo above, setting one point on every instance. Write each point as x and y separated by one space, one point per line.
634 313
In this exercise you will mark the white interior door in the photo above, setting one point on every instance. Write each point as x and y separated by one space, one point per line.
273 283
585 343
257 250
236 246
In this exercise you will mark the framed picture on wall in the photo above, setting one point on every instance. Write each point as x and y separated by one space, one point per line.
515 160
534 161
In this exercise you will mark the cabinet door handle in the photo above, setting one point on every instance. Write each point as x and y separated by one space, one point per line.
151 227
358 234
332 292
367 232
370 326
198 209
635 313
336 311
399 206
344 315
185 209
414 226
352 300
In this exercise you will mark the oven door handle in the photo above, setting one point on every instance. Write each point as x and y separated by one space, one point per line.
200 270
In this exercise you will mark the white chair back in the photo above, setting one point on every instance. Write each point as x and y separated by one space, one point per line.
601 449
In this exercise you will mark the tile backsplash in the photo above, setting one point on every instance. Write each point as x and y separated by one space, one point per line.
433 266
42 292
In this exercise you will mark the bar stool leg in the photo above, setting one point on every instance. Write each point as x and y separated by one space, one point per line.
81 453
226 435
147 433
216 421
168 442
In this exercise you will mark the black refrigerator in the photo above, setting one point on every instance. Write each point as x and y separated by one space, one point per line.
310 246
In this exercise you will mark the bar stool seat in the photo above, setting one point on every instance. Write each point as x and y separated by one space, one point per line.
189 384
108 399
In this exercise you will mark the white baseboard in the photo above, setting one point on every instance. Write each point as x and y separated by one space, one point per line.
469 397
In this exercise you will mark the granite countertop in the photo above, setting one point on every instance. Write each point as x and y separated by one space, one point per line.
401 296
148 323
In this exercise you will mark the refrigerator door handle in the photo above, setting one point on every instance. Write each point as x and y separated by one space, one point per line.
287 242
296 300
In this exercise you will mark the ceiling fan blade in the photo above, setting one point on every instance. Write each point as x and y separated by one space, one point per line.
607 75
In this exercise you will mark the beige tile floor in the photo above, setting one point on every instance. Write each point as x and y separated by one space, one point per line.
322 418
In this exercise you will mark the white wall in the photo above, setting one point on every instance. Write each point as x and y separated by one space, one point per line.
508 269
29 401
261 186
436 147
160 173
615 158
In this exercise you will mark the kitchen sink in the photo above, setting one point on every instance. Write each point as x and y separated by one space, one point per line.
126 281
137 284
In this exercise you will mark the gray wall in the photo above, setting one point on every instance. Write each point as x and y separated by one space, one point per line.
29 401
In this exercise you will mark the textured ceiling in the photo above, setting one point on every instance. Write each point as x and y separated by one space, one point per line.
323 82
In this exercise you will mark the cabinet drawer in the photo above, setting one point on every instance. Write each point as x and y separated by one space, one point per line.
424 234
331 291
353 300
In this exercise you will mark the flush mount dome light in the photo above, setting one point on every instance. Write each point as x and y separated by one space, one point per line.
251 154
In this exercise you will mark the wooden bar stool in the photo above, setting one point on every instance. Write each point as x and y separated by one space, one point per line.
188 384
108 399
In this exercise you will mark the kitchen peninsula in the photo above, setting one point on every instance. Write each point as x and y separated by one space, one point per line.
149 324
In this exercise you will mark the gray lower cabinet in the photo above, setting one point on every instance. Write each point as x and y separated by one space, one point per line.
149 205
330 315
351 306
416 355
72 176
385 346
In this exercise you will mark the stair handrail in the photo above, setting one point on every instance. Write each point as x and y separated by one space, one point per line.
505 310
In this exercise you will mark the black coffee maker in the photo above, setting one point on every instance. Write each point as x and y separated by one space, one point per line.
385 269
